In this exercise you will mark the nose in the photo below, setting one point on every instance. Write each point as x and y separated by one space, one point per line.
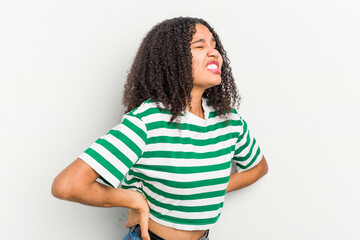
213 53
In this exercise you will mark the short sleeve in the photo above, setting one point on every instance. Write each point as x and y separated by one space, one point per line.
247 152
113 154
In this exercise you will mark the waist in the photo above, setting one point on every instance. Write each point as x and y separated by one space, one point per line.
169 233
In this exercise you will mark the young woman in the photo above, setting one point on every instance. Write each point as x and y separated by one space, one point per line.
173 150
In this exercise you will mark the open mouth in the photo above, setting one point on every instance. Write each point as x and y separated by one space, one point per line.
213 67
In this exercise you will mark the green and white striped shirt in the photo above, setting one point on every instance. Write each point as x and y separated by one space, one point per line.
183 172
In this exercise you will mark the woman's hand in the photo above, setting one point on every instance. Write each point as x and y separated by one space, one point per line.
77 183
139 214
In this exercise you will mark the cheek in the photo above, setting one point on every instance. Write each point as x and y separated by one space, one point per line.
195 65
221 61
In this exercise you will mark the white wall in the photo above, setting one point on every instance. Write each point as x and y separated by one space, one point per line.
63 65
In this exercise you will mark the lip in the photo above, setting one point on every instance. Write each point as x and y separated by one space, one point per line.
216 71
213 62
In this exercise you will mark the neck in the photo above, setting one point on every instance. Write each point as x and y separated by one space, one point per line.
196 104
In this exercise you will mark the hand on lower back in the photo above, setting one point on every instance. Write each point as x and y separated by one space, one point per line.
139 215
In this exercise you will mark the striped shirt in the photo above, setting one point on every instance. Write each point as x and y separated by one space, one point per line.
183 172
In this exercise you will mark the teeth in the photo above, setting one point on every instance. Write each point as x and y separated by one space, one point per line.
211 66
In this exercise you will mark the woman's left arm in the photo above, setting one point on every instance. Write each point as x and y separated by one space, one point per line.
239 180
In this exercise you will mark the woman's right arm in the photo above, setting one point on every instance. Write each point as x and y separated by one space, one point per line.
78 183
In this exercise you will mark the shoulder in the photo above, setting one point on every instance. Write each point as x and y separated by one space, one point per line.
233 119
237 119
149 109
232 115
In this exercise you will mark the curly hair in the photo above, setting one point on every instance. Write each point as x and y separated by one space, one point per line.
162 70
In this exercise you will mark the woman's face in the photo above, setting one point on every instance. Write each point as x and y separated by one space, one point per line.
206 60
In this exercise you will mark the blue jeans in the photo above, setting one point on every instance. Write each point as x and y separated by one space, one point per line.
131 235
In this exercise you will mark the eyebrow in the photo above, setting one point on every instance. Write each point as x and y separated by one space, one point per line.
202 40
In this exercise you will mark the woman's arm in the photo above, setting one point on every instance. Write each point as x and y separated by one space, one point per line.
240 180
78 183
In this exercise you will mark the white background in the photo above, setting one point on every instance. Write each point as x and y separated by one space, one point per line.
63 65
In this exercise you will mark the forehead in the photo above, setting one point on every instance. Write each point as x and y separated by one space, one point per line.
202 32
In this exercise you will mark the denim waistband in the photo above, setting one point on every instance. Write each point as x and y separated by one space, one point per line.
153 236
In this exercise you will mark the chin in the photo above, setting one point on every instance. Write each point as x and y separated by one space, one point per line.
214 83
208 82
217 81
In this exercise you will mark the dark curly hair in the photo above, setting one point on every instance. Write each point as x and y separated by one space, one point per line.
162 70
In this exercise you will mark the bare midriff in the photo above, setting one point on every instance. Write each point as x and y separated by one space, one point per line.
169 233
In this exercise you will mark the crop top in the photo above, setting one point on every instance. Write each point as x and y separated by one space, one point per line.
181 168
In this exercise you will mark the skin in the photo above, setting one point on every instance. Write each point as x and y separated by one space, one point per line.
77 182
203 51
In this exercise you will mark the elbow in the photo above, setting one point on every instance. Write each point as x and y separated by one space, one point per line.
264 166
62 188
58 189
266 169
74 181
